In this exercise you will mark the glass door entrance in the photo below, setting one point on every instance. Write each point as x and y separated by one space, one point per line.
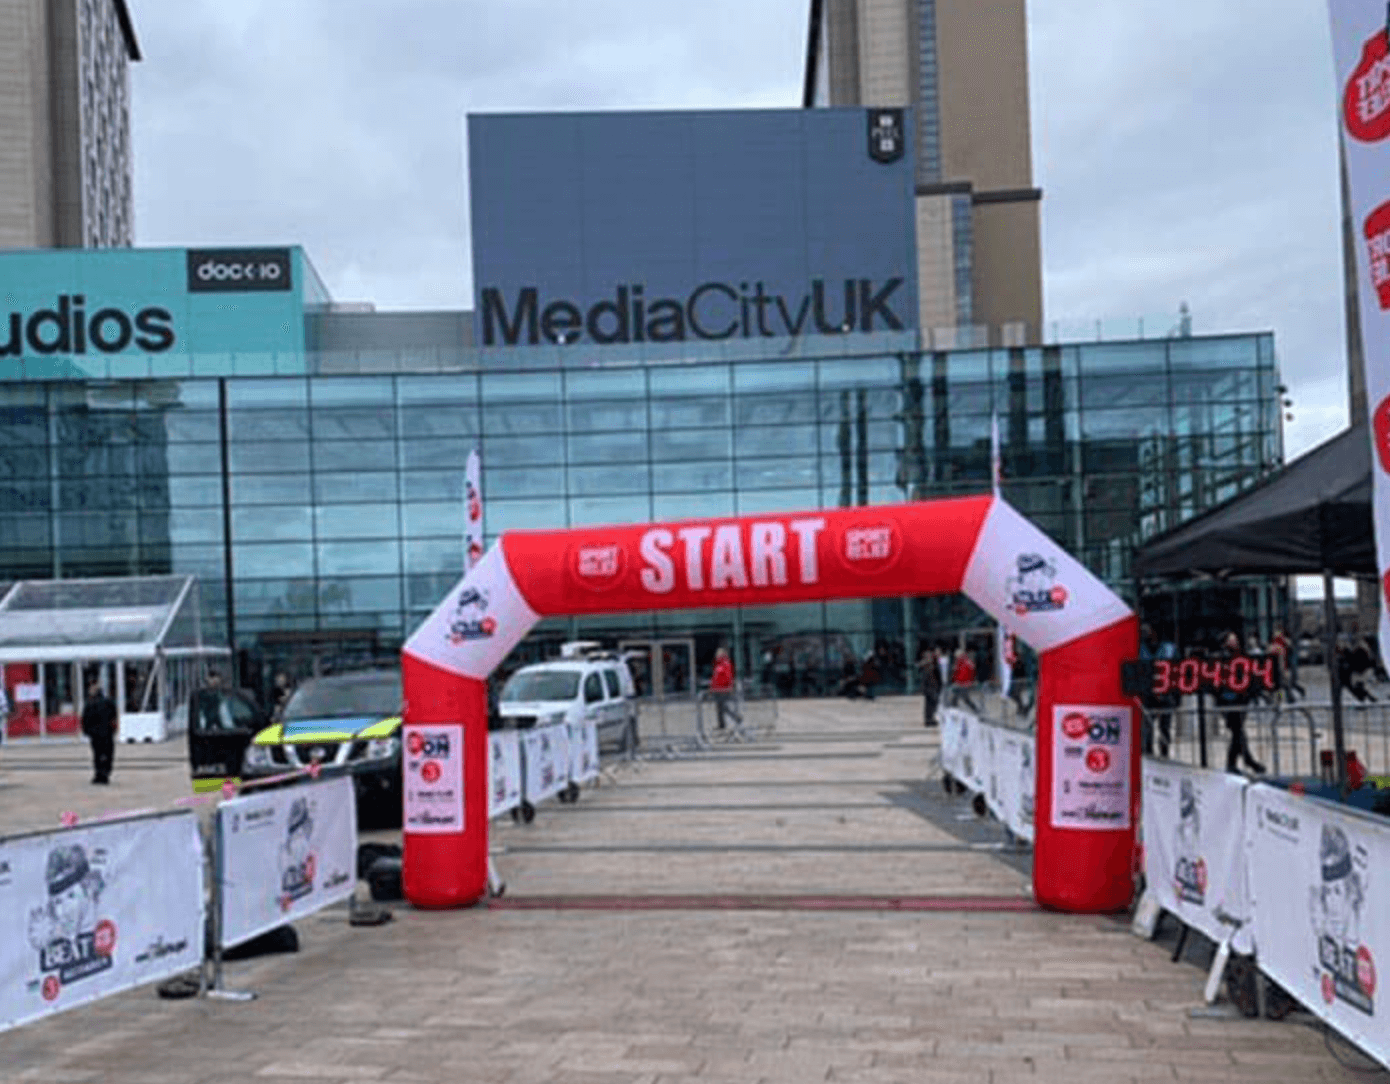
664 673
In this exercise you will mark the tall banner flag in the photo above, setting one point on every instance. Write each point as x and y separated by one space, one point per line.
1003 648
1006 653
473 510
1361 44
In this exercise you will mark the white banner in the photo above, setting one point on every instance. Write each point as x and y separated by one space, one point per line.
545 762
1194 848
583 743
433 774
1090 766
503 772
976 755
992 740
1017 781
91 911
472 510
994 761
1320 892
954 726
285 854
1362 52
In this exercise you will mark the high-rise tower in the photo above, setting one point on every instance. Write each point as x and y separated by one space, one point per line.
962 68
65 164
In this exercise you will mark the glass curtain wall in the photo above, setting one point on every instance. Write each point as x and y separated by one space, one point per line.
335 502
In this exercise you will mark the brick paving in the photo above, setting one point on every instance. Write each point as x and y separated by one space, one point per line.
539 989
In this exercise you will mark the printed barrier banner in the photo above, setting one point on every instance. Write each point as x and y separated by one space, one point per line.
285 854
954 725
1194 848
92 911
994 761
1319 887
503 773
583 742
1017 781
545 762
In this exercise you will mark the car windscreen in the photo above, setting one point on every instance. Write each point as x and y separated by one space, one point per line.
330 699
541 685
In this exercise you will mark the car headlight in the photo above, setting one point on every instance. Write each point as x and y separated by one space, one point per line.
554 717
382 748
257 756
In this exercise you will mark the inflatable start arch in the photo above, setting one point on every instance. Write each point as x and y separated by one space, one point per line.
1087 759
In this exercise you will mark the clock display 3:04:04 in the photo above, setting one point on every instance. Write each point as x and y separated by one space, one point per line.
1238 674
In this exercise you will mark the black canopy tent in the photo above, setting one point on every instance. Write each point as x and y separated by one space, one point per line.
1313 517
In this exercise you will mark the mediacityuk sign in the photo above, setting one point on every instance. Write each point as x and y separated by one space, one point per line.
711 311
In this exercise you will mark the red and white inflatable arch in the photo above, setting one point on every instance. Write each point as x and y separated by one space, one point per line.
1087 758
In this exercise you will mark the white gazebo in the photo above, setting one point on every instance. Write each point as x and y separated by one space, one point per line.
139 637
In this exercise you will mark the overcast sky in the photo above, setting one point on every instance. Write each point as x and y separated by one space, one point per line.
1186 148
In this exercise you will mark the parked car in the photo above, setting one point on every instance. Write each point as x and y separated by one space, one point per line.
597 687
350 721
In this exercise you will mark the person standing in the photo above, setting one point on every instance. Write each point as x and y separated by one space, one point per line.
931 684
280 694
99 724
963 678
1232 705
721 684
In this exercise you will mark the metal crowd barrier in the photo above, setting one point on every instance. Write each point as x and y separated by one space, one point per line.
1289 739
686 725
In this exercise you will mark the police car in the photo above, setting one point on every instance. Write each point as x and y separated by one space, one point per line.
349 721
585 684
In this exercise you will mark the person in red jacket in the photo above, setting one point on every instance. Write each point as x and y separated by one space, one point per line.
963 673
721 684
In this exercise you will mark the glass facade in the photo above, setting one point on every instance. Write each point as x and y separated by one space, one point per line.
323 513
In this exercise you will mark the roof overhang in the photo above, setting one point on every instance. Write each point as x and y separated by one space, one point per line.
132 46
815 42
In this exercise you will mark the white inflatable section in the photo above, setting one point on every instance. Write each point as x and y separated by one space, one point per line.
478 623
1027 582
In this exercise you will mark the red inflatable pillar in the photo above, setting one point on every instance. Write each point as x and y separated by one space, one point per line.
444 778
1087 802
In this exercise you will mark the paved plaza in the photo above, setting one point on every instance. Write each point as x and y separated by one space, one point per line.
841 919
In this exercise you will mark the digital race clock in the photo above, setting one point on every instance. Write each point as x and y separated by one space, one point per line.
1246 674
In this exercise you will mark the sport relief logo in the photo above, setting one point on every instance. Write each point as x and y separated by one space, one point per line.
871 548
431 749
71 941
1366 99
1097 730
1033 587
471 620
1376 230
1381 424
599 566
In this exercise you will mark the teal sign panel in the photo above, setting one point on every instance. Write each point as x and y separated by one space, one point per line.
130 313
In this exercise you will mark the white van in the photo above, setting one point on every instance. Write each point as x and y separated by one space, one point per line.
587 685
